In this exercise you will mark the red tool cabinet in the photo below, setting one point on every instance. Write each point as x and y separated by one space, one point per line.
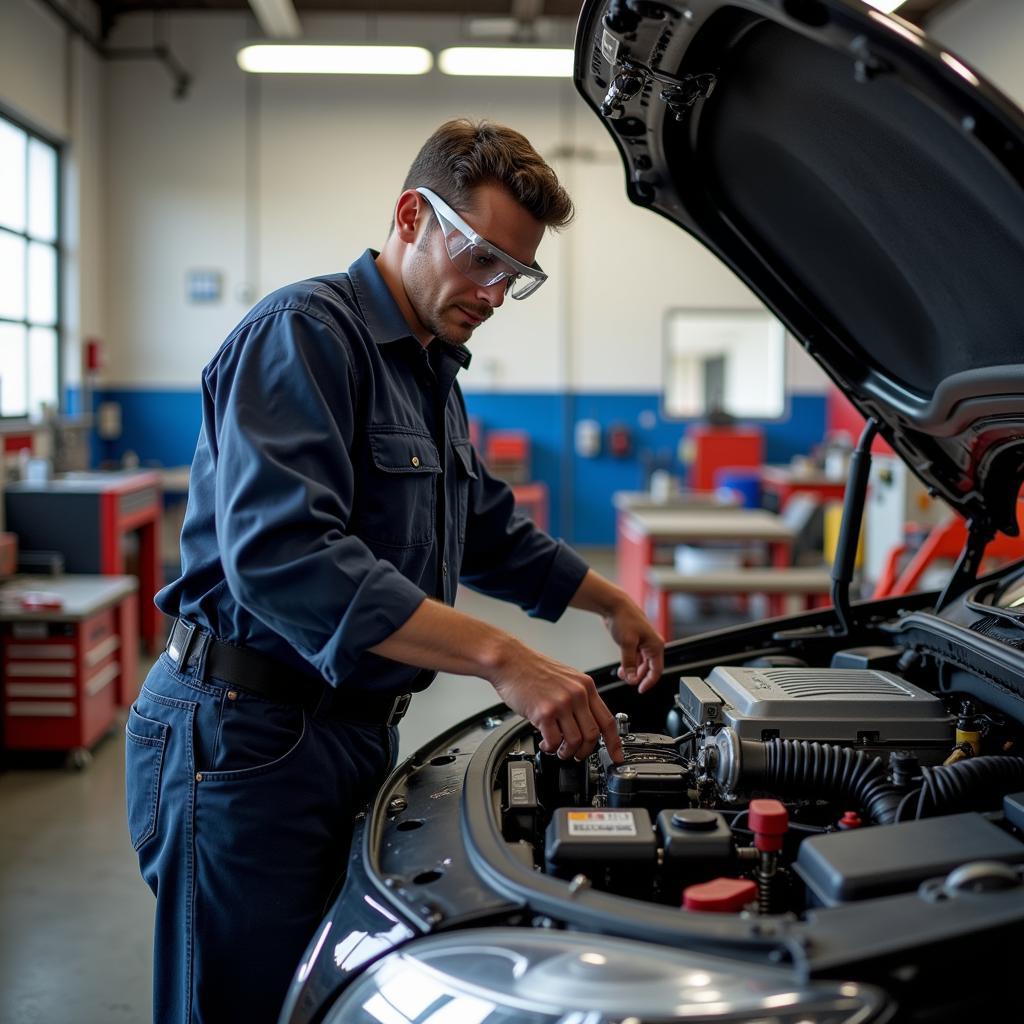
67 669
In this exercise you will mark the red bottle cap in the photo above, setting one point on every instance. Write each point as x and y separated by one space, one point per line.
851 819
722 895
769 821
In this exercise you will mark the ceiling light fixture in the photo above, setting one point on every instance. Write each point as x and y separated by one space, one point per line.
310 59
886 6
509 61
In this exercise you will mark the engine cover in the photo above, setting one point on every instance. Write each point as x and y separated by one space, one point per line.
848 706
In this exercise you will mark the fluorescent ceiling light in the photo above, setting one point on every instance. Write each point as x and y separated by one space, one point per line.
886 6
517 61
309 59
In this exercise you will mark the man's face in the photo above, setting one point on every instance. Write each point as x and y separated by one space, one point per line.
446 302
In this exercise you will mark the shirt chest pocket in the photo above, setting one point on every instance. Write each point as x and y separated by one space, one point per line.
399 501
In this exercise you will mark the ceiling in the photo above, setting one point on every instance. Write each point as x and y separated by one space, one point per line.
113 10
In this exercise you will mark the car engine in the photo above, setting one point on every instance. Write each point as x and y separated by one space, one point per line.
774 786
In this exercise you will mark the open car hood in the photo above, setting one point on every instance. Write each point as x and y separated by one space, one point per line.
864 183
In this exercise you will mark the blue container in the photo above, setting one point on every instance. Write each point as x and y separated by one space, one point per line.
742 481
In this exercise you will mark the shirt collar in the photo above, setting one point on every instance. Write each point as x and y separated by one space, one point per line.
377 304
381 312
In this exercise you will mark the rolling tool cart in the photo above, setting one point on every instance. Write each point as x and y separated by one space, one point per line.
70 659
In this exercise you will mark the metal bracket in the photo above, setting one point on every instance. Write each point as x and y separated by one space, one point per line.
680 98
679 94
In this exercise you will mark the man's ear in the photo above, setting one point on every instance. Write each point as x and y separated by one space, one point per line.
410 212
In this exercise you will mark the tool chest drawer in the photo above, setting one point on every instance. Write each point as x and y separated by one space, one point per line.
66 666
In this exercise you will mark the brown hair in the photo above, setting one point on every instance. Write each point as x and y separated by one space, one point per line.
461 155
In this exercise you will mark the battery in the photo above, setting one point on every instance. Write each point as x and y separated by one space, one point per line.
589 840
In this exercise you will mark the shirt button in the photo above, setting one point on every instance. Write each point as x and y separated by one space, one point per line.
232 695
415 460
444 568
199 776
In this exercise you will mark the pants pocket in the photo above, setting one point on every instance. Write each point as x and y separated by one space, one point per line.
144 757
253 736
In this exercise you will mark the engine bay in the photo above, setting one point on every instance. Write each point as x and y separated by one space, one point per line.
775 786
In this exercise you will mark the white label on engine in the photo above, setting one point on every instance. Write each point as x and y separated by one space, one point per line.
601 823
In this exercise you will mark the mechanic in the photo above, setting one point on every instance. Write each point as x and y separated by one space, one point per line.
335 500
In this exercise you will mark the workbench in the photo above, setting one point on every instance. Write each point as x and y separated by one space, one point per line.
812 585
70 659
642 531
87 517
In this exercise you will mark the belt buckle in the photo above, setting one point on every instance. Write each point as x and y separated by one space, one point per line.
399 708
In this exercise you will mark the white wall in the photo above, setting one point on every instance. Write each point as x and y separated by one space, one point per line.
54 83
154 186
273 178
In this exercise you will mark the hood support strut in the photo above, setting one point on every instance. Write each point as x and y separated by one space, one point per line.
965 572
849 531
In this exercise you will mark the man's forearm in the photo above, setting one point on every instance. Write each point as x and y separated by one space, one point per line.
596 594
438 637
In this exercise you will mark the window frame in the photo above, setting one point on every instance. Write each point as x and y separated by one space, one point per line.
57 245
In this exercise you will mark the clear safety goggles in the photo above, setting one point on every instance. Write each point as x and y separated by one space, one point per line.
477 258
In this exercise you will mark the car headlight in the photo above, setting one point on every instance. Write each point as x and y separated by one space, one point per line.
506 975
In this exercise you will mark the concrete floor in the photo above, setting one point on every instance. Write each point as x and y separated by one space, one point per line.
76 917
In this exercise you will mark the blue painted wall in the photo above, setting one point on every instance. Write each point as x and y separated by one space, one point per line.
161 427
585 493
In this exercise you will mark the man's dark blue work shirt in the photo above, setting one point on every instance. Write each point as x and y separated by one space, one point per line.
334 487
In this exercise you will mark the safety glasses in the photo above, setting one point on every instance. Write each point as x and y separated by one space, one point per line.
477 258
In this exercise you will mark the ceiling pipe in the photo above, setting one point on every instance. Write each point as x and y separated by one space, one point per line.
160 52
277 18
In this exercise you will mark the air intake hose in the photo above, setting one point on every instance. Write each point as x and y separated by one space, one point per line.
801 768
829 771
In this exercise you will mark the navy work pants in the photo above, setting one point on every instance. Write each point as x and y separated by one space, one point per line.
241 813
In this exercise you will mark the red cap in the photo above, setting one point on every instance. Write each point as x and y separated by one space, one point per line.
851 819
769 821
722 895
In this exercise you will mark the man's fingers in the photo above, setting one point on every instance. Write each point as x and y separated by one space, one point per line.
655 666
551 736
606 723
629 672
571 737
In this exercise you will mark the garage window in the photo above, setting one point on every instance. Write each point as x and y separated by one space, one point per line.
29 271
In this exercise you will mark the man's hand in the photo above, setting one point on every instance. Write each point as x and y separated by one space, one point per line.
561 702
643 649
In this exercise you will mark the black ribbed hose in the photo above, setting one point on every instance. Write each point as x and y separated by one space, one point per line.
957 787
828 771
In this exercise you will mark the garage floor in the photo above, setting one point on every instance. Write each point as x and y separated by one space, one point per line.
76 917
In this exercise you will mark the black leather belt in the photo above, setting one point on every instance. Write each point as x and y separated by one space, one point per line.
259 674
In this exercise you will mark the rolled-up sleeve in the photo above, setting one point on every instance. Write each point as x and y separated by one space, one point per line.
508 557
284 393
